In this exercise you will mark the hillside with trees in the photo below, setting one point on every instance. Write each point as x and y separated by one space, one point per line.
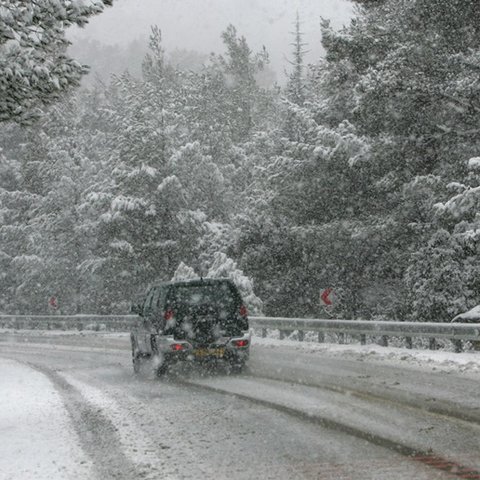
361 173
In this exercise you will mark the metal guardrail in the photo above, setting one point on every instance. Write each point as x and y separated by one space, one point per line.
116 323
455 332
459 331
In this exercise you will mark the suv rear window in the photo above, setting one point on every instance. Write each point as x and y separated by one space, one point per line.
204 311
220 296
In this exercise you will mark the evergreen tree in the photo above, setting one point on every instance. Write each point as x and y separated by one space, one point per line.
148 225
315 187
405 75
296 82
436 280
15 212
224 267
240 66
444 275
53 232
34 67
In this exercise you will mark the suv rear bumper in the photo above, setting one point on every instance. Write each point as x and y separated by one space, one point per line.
235 349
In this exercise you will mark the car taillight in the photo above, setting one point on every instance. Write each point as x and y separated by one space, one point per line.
243 311
168 315
176 347
240 343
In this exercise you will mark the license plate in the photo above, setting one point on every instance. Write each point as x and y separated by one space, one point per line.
209 352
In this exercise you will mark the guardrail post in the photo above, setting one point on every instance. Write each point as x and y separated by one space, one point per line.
408 342
363 339
384 341
432 343
282 334
301 335
457 345
264 332
341 338
321 337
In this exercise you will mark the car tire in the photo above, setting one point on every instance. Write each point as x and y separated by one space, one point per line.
137 362
162 369
136 358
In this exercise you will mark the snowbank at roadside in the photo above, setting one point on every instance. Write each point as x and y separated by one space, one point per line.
432 359
37 439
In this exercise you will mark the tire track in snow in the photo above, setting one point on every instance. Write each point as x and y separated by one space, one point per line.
415 402
136 443
426 457
98 435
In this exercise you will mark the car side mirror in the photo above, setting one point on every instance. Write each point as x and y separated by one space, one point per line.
136 308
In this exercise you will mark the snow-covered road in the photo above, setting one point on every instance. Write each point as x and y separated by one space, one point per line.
37 438
288 417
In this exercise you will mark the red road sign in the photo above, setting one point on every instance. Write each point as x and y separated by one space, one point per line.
52 302
324 297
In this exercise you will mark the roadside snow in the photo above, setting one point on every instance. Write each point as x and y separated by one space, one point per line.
37 440
133 441
473 314
426 359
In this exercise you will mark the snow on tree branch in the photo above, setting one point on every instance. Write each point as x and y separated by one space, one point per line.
34 67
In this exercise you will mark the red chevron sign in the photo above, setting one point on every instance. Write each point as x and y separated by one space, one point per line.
324 296
52 301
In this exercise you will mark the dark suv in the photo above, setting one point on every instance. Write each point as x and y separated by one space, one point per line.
202 319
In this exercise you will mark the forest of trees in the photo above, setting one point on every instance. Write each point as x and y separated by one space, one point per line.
361 174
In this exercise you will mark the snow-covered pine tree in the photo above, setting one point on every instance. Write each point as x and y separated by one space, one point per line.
405 74
34 66
149 226
15 212
206 188
53 230
184 272
224 267
459 220
240 65
315 190
436 281
296 82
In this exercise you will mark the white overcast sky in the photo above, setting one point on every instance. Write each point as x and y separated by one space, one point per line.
197 24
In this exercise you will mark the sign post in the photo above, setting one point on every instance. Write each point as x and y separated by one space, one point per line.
53 303
328 299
